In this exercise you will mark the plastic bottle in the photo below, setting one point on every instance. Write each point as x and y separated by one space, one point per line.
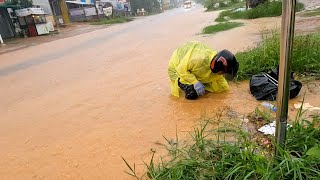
269 106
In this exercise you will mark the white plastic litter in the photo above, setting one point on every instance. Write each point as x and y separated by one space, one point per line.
240 10
268 128
306 106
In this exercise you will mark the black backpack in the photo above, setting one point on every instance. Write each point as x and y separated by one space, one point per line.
264 86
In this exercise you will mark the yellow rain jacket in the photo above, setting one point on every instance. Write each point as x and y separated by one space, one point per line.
191 63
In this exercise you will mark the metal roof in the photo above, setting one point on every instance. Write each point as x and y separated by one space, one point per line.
77 2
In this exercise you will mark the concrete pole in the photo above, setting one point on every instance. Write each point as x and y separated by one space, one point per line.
286 46
55 16
1 41
97 11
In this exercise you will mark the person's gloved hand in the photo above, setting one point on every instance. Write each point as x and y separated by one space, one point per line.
199 87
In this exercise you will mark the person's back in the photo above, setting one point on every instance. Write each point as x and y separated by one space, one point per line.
195 53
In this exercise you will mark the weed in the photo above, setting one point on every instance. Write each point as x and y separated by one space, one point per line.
132 169
208 158
265 57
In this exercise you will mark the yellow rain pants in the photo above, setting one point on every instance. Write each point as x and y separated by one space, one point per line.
191 63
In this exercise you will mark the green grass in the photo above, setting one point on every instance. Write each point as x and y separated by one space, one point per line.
265 57
315 12
221 27
209 157
270 9
112 21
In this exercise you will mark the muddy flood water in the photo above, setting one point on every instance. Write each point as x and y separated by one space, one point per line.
70 108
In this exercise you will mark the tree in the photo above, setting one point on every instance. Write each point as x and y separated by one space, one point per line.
209 4
151 6
21 3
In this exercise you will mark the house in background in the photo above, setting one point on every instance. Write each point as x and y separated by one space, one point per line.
81 10
60 11
45 5
16 21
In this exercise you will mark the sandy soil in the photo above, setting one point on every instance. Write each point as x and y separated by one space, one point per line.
71 108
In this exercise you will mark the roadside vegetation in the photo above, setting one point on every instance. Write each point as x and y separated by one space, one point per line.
221 27
264 57
213 5
220 150
311 13
268 9
19 3
112 21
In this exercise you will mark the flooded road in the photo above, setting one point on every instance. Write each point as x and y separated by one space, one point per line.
71 108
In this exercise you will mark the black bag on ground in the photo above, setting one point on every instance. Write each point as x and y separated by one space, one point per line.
264 86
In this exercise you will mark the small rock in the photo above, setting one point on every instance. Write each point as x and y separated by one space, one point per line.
245 120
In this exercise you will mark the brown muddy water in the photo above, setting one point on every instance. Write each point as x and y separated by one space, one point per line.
71 108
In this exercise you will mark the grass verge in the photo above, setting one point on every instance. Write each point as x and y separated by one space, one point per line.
269 9
315 12
206 157
221 27
112 21
264 57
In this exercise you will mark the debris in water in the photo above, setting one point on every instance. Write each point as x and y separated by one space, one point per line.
268 128
240 10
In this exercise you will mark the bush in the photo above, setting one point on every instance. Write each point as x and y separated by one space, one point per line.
223 4
269 9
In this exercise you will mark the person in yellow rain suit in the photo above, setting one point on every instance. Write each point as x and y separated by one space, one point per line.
195 68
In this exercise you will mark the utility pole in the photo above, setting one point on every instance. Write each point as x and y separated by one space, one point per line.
1 41
97 11
286 46
55 15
